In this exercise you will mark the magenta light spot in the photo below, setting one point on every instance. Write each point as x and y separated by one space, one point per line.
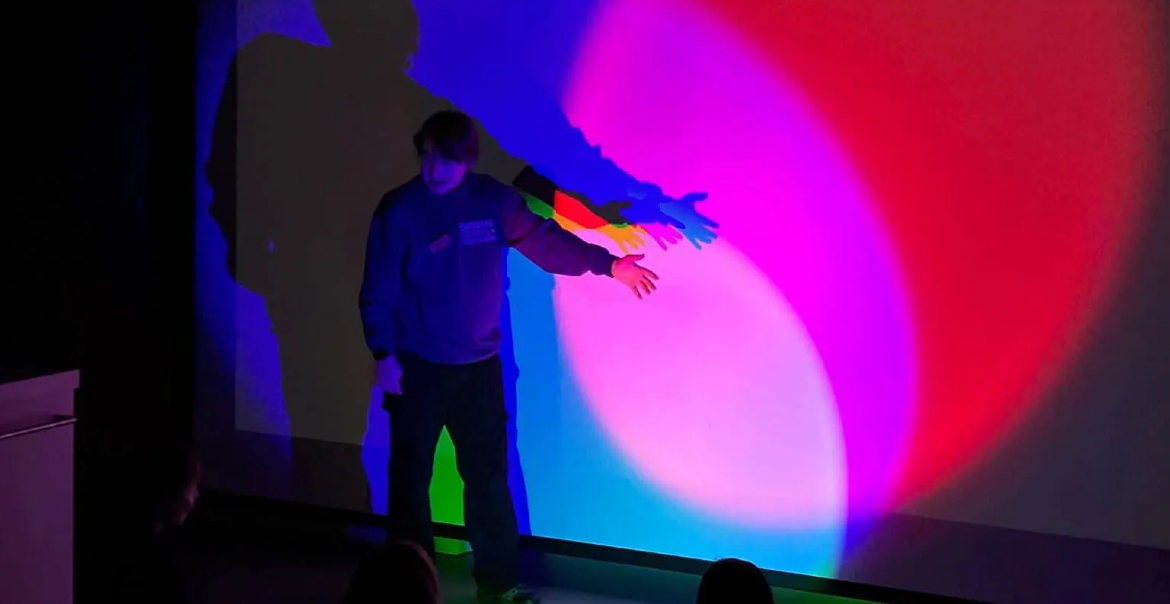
770 381
711 387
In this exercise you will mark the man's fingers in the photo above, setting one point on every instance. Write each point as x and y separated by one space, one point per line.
650 273
649 285
636 292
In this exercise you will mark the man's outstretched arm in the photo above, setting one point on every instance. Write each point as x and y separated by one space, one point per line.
547 244
558 251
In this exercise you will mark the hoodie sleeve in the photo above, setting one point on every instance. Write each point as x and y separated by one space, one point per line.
386 251
549 246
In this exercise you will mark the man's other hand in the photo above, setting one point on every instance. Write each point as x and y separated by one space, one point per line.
388 375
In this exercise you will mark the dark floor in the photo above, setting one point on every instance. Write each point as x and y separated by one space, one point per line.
228 573
275 561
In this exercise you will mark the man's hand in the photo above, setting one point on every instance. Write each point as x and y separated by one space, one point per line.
388 375
638 279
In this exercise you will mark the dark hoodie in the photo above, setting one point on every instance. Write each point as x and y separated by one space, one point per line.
434 273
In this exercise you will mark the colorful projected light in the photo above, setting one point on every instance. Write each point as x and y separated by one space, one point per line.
726 387
921 208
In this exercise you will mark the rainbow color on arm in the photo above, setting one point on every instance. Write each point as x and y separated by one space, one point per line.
573 216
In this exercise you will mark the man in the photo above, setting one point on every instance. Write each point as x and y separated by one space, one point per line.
430 304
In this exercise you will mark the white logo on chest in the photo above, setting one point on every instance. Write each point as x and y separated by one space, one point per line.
475 232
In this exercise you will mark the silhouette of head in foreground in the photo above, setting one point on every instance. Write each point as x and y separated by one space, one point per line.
732 581
401 573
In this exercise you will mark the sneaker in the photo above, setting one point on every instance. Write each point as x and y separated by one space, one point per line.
517 595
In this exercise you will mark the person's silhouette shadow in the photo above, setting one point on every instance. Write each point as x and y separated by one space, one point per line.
306 140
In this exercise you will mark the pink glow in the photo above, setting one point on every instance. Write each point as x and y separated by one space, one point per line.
798 300
712 387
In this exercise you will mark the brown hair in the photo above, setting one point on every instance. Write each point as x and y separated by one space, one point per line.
453 135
